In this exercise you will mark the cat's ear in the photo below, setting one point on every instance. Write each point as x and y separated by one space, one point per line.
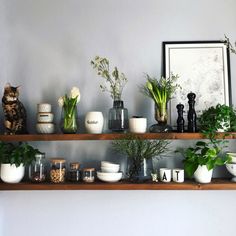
18 88
8 85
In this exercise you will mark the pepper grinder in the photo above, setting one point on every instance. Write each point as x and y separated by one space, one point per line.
180 119
192 116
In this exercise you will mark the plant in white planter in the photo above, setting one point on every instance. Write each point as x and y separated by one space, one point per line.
200 160
13 159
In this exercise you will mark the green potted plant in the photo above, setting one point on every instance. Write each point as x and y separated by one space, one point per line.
161 91
219 118
199 161
140 153
118 115
13 159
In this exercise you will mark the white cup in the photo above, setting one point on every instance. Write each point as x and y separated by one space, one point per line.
94 122
138 125
165 175
44 107
178 175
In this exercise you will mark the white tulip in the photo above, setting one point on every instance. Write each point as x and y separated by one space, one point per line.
75 93
61 101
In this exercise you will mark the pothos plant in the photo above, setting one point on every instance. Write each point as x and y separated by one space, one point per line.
116 80
137 150
21 153
204 153
217 118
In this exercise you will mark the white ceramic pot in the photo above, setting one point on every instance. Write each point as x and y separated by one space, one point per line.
45 128
44 107
12 174
94 122
137 125
203 175
45 117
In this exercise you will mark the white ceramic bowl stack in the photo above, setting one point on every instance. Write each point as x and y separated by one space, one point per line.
45 119
109 172
231 167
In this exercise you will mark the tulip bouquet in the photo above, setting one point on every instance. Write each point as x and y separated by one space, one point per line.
69 114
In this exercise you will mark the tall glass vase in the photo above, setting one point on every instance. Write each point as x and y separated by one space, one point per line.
69 119
118 117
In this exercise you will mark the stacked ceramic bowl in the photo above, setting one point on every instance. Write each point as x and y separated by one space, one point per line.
109 172
45 119
231 167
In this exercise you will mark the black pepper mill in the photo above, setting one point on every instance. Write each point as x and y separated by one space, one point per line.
192 117
180 119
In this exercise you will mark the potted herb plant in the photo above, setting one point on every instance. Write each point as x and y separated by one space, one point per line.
219 118
161 91
118 115
13 159
139 153
200 161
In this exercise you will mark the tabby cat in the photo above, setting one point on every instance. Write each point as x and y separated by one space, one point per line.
14 111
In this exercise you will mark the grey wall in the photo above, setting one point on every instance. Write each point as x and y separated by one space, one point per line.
46 46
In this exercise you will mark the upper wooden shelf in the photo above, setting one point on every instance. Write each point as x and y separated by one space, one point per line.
216 184
107 136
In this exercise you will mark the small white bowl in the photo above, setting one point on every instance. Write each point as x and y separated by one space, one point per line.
45 117
233 156
44 107
112 169
109 177
45 128
231 167
109 164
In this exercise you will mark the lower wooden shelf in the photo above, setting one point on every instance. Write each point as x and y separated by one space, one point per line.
216 184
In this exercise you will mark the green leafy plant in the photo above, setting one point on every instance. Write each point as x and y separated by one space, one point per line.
137 149
17 154
219 117
204 153
115 79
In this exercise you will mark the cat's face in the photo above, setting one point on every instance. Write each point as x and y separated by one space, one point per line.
11 93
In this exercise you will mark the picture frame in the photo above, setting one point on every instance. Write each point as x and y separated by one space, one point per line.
203 67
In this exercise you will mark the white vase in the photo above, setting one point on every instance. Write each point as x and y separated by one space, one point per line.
11 173
203 175
94 122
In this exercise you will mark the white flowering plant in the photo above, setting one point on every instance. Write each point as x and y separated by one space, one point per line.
68 102
115 79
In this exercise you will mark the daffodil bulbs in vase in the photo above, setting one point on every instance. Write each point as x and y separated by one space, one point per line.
69 124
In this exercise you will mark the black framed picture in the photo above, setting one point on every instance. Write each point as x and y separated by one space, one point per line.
203 67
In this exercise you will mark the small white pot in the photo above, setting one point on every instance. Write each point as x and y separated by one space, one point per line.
138 125
12 174
203 175
94 122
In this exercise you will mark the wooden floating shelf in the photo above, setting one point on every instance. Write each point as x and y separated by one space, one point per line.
216 184
107 136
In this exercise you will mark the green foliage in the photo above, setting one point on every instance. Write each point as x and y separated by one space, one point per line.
115 79
230 46
137 149
160 90
17 154
218 117
204 153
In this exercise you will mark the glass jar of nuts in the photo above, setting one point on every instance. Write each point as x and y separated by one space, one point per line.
57 170
37 169
88 175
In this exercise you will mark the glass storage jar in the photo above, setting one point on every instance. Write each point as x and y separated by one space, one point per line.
37 169
57 170
74 173
89 175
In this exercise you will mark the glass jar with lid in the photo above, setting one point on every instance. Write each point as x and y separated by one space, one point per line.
57 170
74 172
89 175
37 169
